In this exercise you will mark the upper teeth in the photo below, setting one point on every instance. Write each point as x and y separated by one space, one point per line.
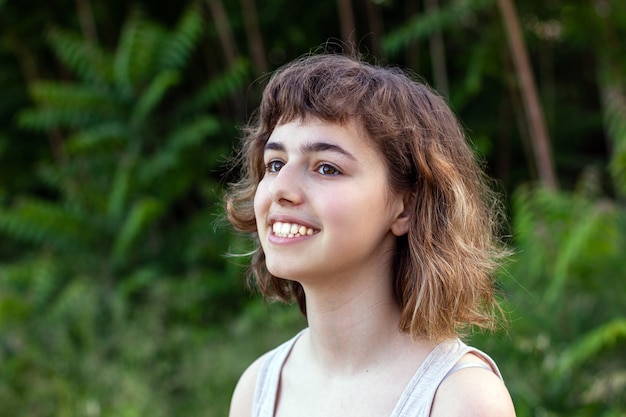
281 229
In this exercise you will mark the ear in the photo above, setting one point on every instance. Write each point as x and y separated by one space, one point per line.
402 221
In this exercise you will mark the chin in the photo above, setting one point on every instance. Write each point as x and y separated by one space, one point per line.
281 272
288 272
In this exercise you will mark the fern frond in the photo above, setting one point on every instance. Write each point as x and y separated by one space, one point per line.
143 213
145 59
58 94
63 105
472 83
100 136
52 176
424 25
135 60
153 95
190 135
46 119
34 280
123 55
193 133
589 345
573 245
120 187
68 105
179 44
219 87
614 107
88 61
41 222
529 227
82 187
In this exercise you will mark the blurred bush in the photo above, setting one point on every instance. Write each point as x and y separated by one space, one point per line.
114 290
115 296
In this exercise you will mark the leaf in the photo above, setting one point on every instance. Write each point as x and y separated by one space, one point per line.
142 214
472 83
77 307
126 49
529 228
98 136
48 118
194 132
27 286
424 25
153 96
59 94
87 60
219 87
572 247
64 105
136 58
179 45
614 106
43 222
189 135
591 344
120 187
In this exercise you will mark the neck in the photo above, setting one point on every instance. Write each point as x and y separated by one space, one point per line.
351 330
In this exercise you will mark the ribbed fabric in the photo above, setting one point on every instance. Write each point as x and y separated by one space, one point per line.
416 400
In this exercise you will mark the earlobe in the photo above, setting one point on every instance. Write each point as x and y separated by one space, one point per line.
401 224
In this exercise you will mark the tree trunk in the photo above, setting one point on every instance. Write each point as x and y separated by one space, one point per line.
28 67
519 115
229 46
376 26
255 38
612 88
413 48
437 52
536 121
613 98
87 21
224 31
348 28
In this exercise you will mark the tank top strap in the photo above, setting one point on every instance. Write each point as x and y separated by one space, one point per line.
465 365
415 401
418 397
268 380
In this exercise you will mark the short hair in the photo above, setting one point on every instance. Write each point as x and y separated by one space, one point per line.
444 266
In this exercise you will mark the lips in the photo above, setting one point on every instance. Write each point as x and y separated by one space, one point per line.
291 230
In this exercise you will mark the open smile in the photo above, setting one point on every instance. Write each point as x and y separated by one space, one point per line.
290 230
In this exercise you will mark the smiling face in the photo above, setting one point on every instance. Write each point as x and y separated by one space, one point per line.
324 208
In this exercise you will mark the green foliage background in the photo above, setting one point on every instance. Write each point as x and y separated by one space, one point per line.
116 298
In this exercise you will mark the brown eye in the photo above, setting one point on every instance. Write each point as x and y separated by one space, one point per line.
274 166
326 169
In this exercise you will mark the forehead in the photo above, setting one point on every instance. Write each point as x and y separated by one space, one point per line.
296 133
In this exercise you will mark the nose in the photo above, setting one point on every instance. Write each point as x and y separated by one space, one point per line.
286 186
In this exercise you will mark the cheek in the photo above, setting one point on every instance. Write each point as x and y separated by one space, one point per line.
343 208
363 211
261 201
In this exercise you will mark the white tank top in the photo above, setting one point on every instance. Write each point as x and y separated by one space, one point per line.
415 401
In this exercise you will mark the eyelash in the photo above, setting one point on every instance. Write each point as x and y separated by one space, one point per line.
271 167
334 169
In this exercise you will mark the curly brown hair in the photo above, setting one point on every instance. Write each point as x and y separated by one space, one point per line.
444 265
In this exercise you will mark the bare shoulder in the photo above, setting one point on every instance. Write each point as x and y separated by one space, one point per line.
241 402
473 392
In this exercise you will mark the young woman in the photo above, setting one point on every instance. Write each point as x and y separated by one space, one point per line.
369 211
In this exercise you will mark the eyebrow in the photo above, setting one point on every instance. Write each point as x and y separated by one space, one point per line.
312 148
